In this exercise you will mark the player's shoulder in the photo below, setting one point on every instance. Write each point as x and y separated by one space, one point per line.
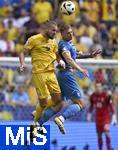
62 44
93 94
36 36
106 94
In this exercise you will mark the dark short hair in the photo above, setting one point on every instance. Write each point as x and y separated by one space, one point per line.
64 27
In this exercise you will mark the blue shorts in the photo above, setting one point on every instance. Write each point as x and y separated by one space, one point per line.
69 86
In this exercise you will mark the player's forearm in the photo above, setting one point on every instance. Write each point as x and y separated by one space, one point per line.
22 55
73 64
22 58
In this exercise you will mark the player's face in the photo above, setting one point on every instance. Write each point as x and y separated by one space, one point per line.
51 31
98 88
67 34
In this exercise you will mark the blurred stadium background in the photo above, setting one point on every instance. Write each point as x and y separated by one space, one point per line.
95 25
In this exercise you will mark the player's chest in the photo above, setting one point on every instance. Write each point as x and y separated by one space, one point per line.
42 46
72 50
99 102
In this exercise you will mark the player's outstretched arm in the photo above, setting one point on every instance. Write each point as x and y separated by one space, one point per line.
89 55
73 64
22 54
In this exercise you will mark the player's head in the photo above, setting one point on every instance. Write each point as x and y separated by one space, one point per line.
50 29
66 32
99 87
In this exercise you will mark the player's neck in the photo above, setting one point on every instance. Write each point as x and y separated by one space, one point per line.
66 40
45 36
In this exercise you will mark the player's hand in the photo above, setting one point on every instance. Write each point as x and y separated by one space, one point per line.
96 52
89 117
85 72
61 65
114 119
22 68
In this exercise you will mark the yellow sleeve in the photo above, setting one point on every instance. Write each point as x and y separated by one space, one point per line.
29 44
56 46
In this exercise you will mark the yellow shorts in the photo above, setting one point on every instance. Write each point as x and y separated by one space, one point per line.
45 84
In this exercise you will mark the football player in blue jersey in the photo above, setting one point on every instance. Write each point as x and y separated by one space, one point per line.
68 84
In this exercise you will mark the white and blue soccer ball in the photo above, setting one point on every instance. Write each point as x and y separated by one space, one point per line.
67 7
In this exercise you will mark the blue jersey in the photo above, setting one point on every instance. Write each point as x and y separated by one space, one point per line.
67 46
68 84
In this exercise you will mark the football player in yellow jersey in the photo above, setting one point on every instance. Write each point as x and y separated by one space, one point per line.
43 49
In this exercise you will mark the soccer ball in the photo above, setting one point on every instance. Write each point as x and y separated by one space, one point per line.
67 7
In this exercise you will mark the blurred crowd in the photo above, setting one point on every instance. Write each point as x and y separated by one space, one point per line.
95 26
16 89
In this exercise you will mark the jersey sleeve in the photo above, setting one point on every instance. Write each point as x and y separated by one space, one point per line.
109 99
29 44
111 104
56 47
63 47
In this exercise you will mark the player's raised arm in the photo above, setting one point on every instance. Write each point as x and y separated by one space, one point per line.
73 64
27 47
89 54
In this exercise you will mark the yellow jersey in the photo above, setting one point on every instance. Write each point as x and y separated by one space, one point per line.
43 53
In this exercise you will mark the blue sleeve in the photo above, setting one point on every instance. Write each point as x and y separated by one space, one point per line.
63 47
